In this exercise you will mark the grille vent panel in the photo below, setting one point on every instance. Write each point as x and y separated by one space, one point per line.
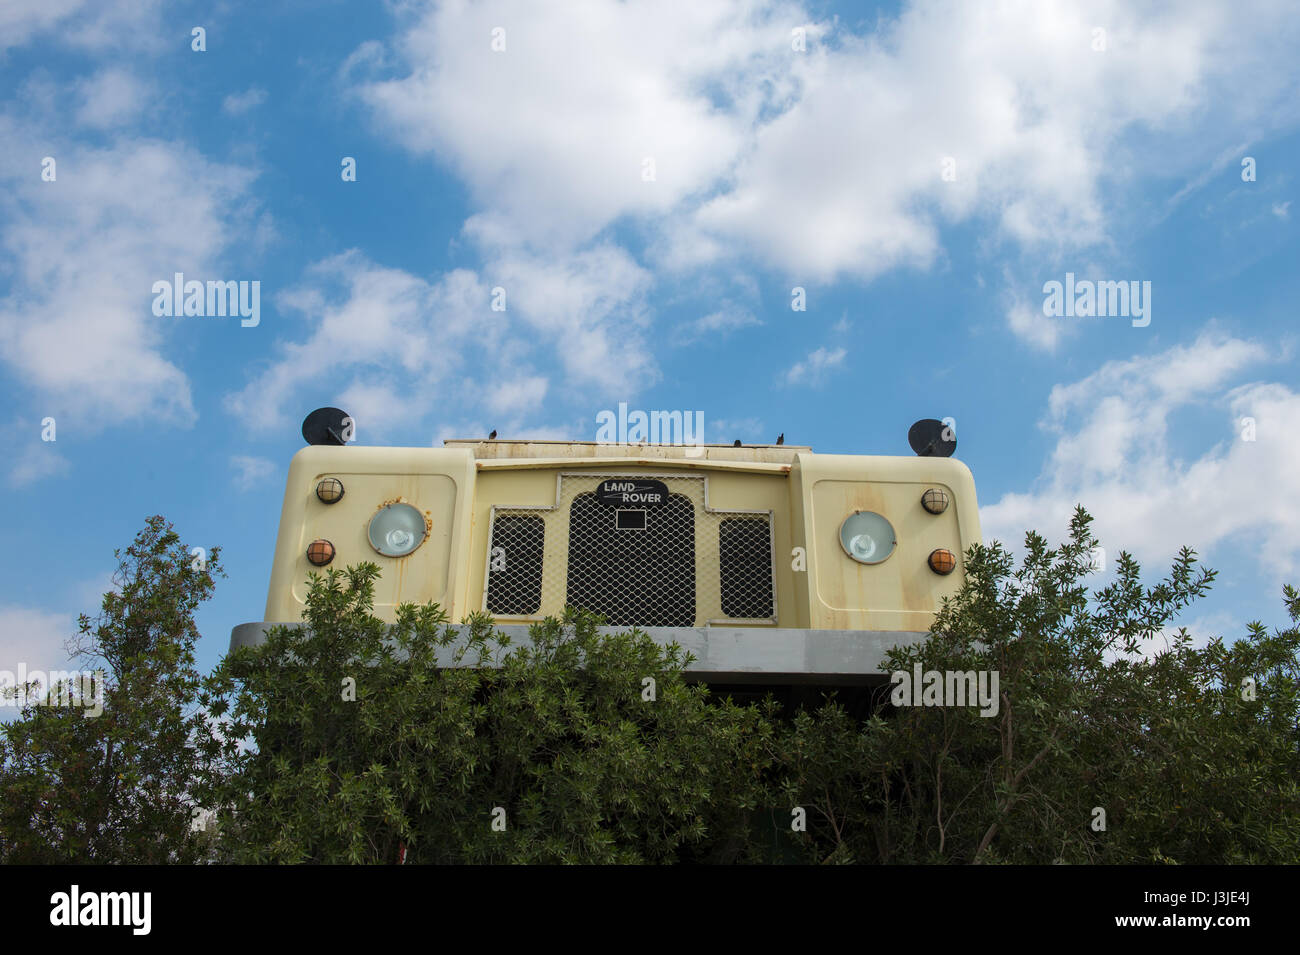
633 577
515 565
745 566
688 566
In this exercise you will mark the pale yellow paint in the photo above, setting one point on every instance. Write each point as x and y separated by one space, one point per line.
807 494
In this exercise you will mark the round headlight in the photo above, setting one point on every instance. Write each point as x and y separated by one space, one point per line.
867 537
396 530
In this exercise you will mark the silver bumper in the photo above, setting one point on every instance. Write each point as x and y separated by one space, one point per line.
732 654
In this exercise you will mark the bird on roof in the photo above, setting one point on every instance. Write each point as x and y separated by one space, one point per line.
737 444
780 438
492 435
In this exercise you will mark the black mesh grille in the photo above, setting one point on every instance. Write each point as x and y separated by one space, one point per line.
683 564
633 577
745 551
515 565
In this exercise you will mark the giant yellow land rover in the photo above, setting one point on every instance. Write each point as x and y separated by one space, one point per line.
771 564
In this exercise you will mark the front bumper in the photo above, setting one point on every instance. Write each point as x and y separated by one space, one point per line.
737 655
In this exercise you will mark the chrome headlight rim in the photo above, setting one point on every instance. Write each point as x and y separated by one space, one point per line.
396 530
885 538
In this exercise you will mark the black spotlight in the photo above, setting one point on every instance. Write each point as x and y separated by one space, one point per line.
932 439
325 426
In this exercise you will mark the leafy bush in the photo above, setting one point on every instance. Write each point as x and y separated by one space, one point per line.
1097 754
561 746
1114 740
118 787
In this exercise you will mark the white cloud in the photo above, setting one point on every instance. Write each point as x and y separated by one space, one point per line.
823 164
725 431
406 341
1206 627
37 462
1201 629
88 594
251 471
77 327
371 327
20 19
392 343
715 325
32 643
390 346
848 182
1226 157
90 24
516 394
828 160
112 97
553 145
1027 320
378 408
588 307
813 368
236 104
1282 209
34 637
1113 454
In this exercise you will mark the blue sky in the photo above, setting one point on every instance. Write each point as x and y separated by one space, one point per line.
921 171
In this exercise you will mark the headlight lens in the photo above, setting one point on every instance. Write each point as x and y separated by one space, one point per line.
320 552
329 490
396 530
867 537
942 561
935 500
